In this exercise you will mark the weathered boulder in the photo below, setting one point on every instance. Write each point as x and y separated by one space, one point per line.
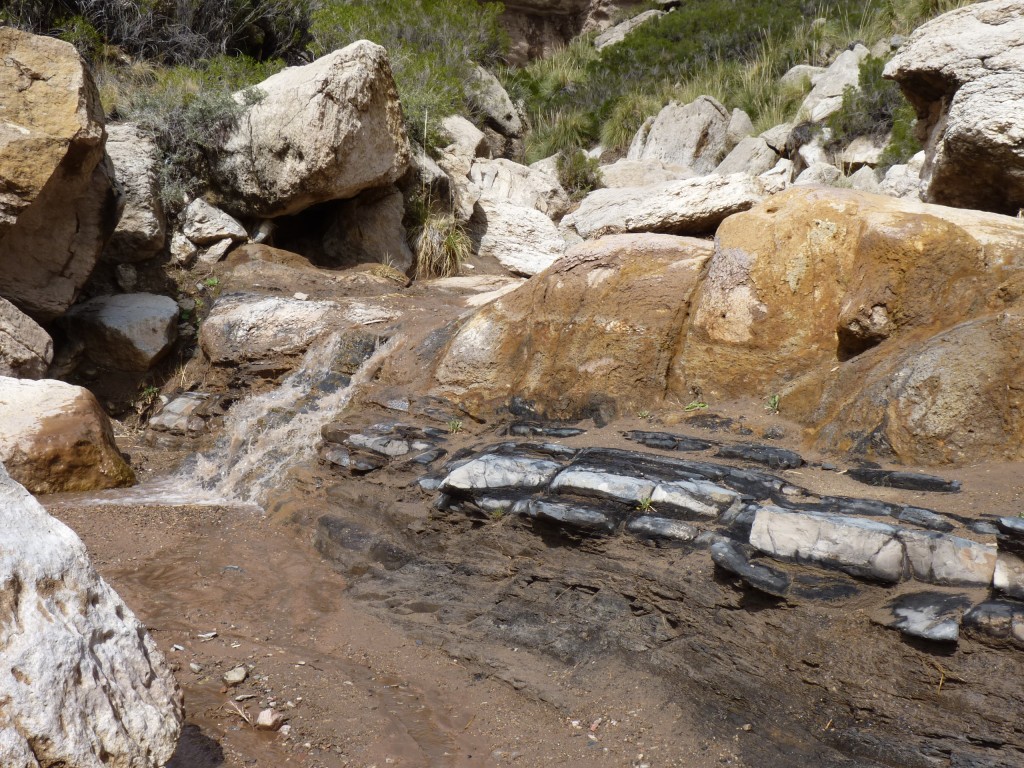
84 683
863 150
323 131
523 240
58 205
688 207
751 155
244 326
814 276
904 180
206 224
467 141
26 350
799 74
141 231
502 180
489 98
617 34
125 332
819 173
642 173
826 97
694 134
54 437
601 325
962 72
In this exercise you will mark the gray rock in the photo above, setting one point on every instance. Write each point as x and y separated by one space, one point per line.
216 252
467 141
368 228
587 519
796 76
750 155
655 527
997 620
523 240
740 127
490 99
252 327
181 415
489 472
904 180
643 173
502 180
925 518
616 34
826 97
825 174
931 616
126 332
694 134
857 546
731 558
206 224
142 228
776 458
26 350
1008 577
382 445
911 481
694 497
583 482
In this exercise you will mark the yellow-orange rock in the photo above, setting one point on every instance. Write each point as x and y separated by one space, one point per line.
594 333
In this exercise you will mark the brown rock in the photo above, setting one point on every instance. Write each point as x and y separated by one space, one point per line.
57 202
54 437
599 327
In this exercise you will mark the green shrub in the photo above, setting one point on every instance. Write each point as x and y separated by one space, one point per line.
903 143
868 110
625 118
432 45
577 173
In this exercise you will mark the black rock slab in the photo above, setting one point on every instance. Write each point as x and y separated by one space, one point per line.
776 458
656 527
929 615
731 558
846 505
925 518
666 441
584 518
533 429
909 481
1010 536
1001 621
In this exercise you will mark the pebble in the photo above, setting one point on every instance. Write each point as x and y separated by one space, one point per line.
196 668
269 720
236 676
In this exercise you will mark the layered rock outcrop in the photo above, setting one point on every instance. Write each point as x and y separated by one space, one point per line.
58 205
83 684
963 73
323 131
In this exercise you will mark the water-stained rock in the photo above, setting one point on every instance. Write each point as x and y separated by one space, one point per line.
931 616
731 558
489 472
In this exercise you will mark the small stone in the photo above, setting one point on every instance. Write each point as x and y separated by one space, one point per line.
196 668
269 720
236 676
300 296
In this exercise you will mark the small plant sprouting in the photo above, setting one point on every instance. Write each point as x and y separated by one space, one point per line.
211 282
645 505
454 426
644 414
498 514
772 404
696 405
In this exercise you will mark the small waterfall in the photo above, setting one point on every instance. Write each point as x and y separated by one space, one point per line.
267 433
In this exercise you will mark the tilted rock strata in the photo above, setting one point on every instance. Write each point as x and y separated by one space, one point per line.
83 683
55 437
58 206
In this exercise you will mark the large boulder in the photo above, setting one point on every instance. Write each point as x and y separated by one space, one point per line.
54 437
502 180
963 73
642 173
826 97
602 325
26 350
125 332
687 207
58 205
323 131
142 229
83 683
489 98
694 134
523 240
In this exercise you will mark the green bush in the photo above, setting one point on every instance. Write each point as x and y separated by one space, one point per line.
869 110
432 45
903 143
577 173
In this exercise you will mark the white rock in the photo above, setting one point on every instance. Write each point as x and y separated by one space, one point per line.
636 146
864 150
269 720
617 33
777 178
904 180
751 155
523 240
235 676
250 327
699 498
323 131
183 250
584 482
54 437
141 230
695 134
126 332
26 350
797 75
206 224
857 546
466 139
1008 576
740 127
177 417
490 471
642 173
813 152
83 683
777 136
941 559
865 180
214 253
826 97
820 173
502 180
692 206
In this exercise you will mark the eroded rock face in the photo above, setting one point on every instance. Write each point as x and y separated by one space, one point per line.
694 134
523 240
141 231
962 72
126 332
58 206
84 684
252 327
502 180
54 437
26 350
323 131
602 324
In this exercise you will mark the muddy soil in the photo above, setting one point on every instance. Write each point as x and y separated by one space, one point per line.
456 641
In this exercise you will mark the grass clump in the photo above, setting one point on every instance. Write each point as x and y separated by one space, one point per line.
432 44
578 174
441 245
